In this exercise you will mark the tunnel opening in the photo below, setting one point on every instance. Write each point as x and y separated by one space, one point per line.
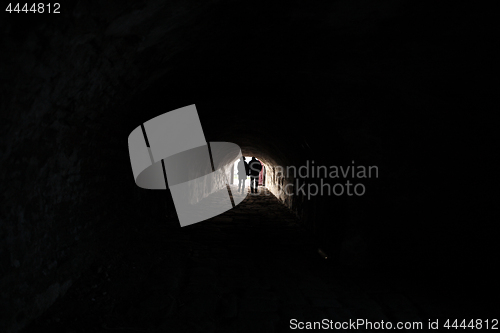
236 172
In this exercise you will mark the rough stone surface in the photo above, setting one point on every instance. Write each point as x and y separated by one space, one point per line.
234 277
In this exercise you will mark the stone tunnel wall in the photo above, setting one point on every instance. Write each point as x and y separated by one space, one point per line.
60 79
283 187
337 222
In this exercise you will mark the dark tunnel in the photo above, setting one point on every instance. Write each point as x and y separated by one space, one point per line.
399 85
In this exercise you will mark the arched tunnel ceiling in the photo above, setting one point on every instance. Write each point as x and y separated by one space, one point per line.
258 73
274 81
263 93
180 53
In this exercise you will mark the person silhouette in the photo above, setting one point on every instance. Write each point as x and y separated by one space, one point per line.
255 168
242 174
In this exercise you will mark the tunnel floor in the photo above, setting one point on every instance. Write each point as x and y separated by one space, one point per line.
252 269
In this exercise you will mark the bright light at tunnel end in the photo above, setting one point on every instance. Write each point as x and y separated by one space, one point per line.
170 152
